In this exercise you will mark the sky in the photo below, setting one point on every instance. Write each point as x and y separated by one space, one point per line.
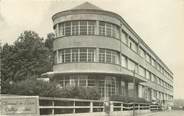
160 23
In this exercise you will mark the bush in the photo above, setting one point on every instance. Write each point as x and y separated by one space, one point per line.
35 87
128 99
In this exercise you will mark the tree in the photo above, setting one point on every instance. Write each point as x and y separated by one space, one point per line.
26 58
49 41
49 44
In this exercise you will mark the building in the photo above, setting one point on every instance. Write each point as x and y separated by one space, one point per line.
97 48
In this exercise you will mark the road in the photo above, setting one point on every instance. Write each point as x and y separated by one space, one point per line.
167 113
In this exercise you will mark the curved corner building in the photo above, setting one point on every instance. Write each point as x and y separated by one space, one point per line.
97 48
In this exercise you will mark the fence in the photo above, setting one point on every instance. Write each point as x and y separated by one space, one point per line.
53 106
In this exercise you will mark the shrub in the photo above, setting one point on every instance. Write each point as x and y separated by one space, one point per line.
35 87
128 99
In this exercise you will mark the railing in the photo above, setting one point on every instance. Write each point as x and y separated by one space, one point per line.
155 107
120 106
65 106
52 106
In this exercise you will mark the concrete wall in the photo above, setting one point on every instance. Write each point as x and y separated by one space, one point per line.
87 41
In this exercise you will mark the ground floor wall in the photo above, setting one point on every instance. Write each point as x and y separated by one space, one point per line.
112 85
107 85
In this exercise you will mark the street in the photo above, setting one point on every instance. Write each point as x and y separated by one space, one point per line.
167 113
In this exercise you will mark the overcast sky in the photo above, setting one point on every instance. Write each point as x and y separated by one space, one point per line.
160 23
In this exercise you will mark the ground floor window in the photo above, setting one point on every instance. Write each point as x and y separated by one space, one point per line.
107 85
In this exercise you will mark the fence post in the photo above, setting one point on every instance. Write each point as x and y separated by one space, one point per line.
133 109
52 107
111 106
73 106
122 106
91 106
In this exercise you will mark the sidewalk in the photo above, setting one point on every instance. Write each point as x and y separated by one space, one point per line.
149 114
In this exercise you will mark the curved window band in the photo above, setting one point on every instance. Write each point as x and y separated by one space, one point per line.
86 55
74 28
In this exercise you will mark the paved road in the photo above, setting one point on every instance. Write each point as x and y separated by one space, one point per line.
167 113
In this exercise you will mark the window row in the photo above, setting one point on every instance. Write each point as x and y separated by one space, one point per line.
131 65
76 28
160 95
86 55
84 27
152 94
125 38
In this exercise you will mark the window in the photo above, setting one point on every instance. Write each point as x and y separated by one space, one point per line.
102 55
152 62
108 56
123 61
91 81
142 53
148 58
110 85
114 57
83 55
83 27
141 71
102 28
91 27
75 28
76 55
67 28
152 77
59 60
61 29
148 75
67 55
124 37
132 66
108 29
131 89
132 45
91 55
